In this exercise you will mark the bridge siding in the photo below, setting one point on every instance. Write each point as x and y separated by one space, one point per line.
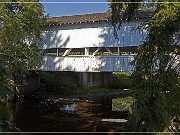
92 34
88 63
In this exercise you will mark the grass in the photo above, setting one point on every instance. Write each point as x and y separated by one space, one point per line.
123 104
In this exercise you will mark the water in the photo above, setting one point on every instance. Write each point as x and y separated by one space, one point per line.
64 116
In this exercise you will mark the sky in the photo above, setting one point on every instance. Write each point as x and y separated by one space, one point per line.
54 9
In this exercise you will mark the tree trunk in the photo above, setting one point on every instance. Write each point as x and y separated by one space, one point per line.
16 95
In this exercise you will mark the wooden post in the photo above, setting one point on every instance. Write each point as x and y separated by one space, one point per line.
86 51
118 51
97 50
67 52
109 51
57 52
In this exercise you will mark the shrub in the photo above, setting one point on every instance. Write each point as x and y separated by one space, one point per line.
121 80
123 104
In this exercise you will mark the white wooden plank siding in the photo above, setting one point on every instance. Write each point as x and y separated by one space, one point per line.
92 34
88 63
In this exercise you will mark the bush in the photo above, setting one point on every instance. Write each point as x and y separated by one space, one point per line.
121 80
123 104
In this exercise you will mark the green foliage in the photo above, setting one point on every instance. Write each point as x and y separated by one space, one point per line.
3 91
5 124
156 76
3 116
121 80
123 104
20 30
121 11
3 113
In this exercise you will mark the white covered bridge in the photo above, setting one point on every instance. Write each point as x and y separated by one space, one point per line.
86 44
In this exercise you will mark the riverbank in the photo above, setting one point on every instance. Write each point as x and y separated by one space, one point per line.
95 96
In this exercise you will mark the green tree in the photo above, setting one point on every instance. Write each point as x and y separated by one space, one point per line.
156 75
20 33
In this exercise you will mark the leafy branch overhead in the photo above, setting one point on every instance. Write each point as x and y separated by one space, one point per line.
122 10
156 74
20 32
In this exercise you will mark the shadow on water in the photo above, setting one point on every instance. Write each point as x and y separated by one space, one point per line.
63 116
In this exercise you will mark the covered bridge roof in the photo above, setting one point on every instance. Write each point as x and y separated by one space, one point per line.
96 17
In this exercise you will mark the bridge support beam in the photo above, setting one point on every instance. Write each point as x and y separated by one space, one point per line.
95 79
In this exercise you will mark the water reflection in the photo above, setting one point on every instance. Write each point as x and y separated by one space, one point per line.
62 116
69 108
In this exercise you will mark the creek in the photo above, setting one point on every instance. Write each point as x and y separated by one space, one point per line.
58 115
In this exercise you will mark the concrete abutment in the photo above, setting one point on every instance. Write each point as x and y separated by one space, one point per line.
81 79
95 79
